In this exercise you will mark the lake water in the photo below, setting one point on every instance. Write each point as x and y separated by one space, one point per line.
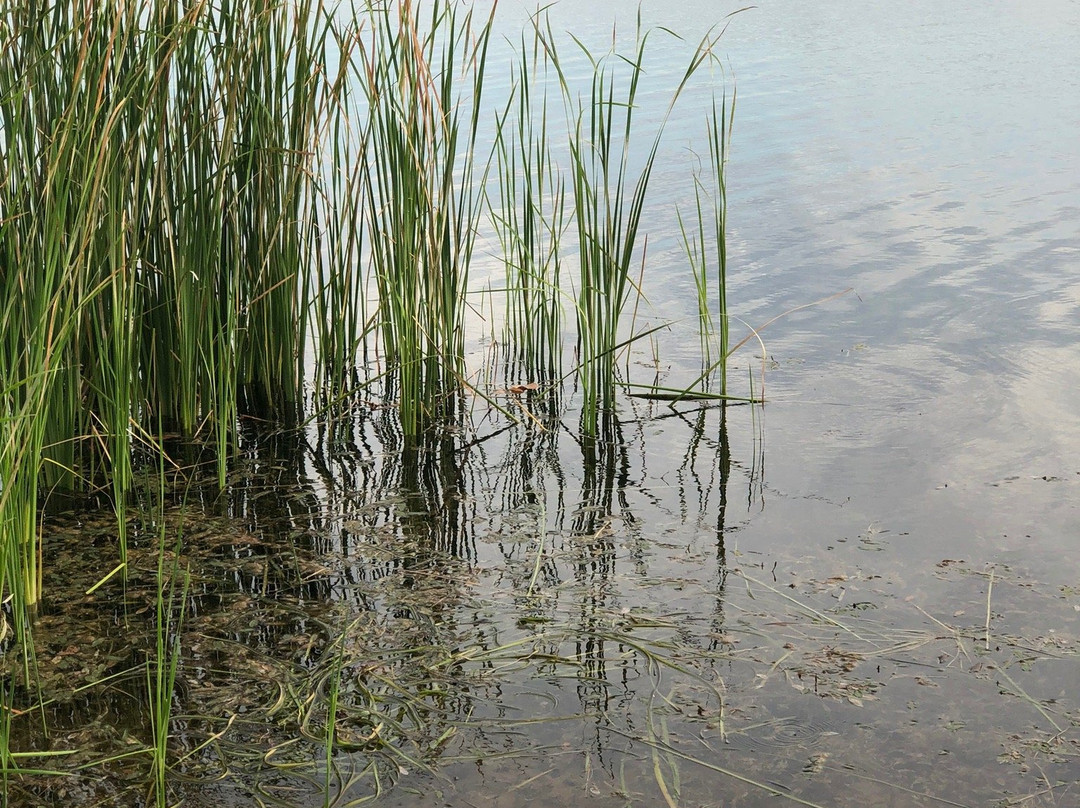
864 592
914 474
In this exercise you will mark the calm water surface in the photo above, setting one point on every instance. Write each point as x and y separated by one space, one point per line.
918 454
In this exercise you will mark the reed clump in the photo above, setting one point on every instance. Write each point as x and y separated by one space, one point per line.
528 210
422 78
610 182
160 185
197 200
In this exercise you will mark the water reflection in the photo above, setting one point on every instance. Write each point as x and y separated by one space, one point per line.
547 528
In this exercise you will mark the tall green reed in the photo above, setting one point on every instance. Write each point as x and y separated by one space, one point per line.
609 191
709 224
158 187
163 666
339 318
529 217
423 78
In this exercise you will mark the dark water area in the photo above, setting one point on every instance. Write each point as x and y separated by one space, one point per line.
864 592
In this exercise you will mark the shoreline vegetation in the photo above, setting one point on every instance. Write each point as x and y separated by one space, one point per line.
197 202
212 212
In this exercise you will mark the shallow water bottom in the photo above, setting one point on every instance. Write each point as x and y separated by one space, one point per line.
522 641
